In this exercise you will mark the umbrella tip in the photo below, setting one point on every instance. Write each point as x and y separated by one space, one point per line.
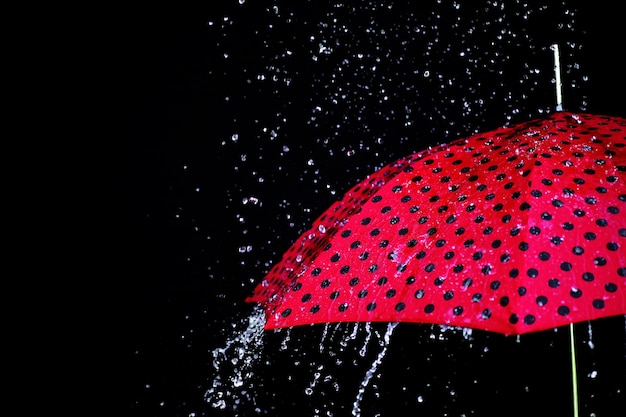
557 76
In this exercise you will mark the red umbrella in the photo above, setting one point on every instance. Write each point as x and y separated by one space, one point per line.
515 230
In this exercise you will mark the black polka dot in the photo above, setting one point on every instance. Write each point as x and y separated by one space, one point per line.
554 283
575 293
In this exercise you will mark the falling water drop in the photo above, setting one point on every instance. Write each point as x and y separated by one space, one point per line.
590 332
316 376
356 406
368 336
324 336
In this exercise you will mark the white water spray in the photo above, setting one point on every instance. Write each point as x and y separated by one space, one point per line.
368 336
356 406
590 332
234 363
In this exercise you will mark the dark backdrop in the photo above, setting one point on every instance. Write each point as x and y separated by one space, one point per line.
243 122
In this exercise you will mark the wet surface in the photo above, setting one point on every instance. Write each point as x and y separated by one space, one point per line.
248 119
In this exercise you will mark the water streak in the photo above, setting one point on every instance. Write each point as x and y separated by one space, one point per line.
356 406
590 332
368 336
324 336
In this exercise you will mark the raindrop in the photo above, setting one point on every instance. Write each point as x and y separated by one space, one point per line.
590 333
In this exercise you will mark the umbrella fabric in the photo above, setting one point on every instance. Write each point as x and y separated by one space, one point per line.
515 230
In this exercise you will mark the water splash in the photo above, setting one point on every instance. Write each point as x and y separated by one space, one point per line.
368 336
324 336
234 363
466 332
316 376
356 406
590 333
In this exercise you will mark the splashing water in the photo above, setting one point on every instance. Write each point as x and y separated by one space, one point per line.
356 406
234 363
368 336
590 333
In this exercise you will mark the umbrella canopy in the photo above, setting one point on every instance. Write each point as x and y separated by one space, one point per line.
515 230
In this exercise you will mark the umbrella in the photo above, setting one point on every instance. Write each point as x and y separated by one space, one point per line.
515 230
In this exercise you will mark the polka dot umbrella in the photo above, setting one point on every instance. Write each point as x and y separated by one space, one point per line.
515 230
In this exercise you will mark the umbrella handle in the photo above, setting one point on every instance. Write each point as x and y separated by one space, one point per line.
574 373
557 76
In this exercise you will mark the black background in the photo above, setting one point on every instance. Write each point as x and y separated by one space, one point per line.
176 272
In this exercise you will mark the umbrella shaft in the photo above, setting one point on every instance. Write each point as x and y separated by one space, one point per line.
557 76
